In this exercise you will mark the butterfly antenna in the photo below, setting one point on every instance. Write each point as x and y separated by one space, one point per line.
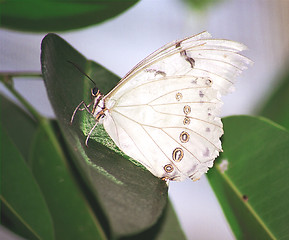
80 70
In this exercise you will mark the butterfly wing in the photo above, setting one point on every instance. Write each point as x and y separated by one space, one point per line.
214 57
164 113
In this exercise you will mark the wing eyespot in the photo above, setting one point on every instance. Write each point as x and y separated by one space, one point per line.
187 109
184 137
179 96
186 121
168 168
178 154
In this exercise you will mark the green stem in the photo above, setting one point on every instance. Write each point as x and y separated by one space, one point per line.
20 74
7 82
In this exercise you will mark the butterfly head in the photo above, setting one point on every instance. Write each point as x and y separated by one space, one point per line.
95 92
98 106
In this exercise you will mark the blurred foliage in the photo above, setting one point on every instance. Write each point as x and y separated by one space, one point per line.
20 192
201 4
276 107
51 16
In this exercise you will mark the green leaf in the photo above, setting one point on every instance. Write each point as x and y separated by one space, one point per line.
19 125
276 107
131 197
72 215
253 188
170 228
24 209
166 228
45 16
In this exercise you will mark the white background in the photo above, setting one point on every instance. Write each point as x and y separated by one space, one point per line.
120 43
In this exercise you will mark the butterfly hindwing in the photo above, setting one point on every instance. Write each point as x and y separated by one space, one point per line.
169 124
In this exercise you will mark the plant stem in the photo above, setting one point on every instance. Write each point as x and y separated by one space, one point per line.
20 74
7 80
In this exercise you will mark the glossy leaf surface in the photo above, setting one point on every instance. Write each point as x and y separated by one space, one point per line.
276 107
251 178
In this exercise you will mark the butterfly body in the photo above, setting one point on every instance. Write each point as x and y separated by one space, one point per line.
165 112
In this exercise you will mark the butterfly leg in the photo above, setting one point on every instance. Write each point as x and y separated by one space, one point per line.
90 132
86 107
98 116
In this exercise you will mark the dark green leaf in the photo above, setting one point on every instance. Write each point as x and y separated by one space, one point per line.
24 209
253 188
167 227
170 227
72 215
20 126
46 16
276 108
131 197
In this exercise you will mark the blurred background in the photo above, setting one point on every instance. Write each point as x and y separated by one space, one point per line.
120 43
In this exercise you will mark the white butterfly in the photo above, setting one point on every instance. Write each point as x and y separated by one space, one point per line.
164 112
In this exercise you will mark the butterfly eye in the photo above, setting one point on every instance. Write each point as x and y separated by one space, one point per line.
94 91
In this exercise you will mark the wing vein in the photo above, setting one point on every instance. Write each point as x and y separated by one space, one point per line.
149 81
175 91
137 145
143 124
162 104
160 148
181 145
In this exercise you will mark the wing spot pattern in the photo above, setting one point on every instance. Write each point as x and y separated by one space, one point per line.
163 79
179 96
206 153
201 94
208 82
186 121
178 154
184 137
183 53
162 73
170 137
173 127
195 81
187 109
209 112
172 168
181 145
171 49
168 168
